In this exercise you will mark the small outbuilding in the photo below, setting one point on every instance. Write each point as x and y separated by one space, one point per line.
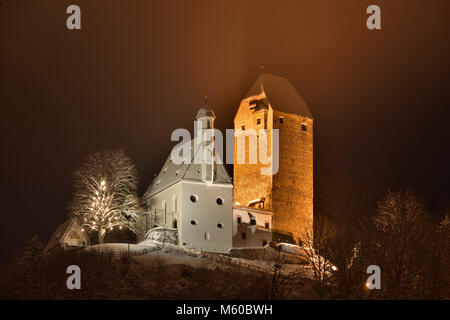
67 235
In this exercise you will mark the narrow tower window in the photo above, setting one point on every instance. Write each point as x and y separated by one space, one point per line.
281 120
304 127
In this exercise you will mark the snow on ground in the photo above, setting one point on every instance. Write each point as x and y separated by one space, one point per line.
170 254
290 248
305 252
122 248
150 252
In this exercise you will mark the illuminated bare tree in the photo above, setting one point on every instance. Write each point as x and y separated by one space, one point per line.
105 193
315 247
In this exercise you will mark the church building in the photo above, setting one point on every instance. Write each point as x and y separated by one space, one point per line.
194 204
202 208
194 199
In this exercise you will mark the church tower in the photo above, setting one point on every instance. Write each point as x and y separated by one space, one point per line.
205 131
273 103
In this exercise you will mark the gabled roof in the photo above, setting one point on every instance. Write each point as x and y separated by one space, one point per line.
172 173
280 93
59 234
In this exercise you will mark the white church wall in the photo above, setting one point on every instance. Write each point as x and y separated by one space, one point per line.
212 228
166 204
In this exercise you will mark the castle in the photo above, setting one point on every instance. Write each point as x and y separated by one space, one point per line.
195 204
283 202
205 210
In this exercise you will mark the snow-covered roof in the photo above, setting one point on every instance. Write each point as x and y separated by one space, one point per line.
60 233
172 173
251 209
205 112
280 93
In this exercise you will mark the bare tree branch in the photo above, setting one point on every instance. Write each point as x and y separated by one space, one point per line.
105 193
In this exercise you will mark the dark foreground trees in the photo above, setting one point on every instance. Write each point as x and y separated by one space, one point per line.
410 247
104 276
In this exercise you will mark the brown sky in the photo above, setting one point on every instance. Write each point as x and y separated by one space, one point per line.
139 69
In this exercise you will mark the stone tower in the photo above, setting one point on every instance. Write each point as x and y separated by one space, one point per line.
273 103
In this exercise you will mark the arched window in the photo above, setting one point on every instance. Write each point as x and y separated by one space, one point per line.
174 224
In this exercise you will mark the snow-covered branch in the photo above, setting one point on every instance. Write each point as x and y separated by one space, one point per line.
105 193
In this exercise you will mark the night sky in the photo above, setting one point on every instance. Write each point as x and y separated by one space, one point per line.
139 69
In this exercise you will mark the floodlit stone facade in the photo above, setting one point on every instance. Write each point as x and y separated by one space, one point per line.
273 103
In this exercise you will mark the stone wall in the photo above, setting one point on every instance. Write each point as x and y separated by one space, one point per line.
293 184
289 193
249 184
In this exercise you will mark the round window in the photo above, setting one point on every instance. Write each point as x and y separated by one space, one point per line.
219 225
219 201
194 222
193 198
